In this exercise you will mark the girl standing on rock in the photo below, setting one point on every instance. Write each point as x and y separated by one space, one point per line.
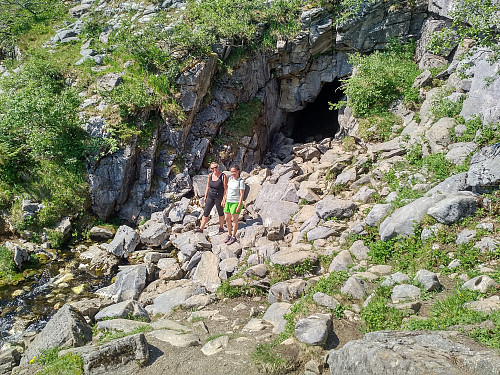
233 203
214 194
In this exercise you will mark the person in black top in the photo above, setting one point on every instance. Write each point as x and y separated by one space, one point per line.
214 193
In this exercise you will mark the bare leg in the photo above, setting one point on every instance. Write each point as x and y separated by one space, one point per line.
235 224
228 223
221 221
204 220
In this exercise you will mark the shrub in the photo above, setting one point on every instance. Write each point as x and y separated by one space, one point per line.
380 78
444 107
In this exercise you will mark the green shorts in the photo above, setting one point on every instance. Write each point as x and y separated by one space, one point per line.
231 208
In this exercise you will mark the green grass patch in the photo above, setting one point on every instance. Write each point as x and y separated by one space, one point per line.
109 335
444 107
68 364
281 273
377 316
451 312
270 360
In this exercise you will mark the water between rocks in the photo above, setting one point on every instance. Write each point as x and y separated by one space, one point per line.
26 306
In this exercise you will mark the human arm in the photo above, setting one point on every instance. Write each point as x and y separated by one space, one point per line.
224 179
242 195
206 190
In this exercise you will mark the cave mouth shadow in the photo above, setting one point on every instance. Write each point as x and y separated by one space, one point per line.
316 121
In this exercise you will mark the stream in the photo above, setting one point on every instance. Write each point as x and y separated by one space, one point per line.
27 305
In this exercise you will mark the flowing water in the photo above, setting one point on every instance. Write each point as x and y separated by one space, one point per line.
28 305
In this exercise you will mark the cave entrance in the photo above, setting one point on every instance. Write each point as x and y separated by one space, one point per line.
316 121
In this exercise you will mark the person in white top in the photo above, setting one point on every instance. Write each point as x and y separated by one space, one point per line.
233 203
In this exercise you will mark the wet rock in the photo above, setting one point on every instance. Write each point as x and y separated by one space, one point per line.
333 207
411 353
125 241
101 233
66 328
454 207
428 280
123 309
275 315
8 360
286 291
314 329
405 292
480 283
118 356
355 287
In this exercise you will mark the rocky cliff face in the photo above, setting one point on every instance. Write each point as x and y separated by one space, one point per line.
284 80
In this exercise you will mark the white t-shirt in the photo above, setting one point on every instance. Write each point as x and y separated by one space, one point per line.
233 189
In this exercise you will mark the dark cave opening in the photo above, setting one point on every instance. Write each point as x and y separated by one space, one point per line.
316 121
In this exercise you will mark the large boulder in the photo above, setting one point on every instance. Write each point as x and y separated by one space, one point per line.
125 241
274 214
207 272
172 298
412 353
128 285
275 315
484 168
286 291
189 243
122 356
330 206
314 329
66 328
125 309
403 220
154 233
454 207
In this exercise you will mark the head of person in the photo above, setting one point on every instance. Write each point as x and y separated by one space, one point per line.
235 171
214 167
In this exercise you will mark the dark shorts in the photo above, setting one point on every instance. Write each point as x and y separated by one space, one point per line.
209 204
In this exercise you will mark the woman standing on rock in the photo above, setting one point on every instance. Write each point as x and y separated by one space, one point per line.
233 203
214 193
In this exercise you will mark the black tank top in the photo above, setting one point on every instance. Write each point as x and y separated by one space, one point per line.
216 188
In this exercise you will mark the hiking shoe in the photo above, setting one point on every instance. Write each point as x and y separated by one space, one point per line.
198 230
221 230
231 241
227 239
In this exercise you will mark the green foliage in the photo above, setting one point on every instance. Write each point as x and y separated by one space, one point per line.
377 316
474 19
377 127
380 79
452 312
242 120
479 133
271 361
281 273
42 146
68 364
8 269
109 335
444 107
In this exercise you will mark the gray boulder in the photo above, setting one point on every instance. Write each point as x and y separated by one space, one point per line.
429 280
176 214
359 250
480 283
109 81
101 233
378 212
125 241
412 353
452 184
325 300
207 272
286 291
405 292
125 309
395 278
166 301
465 236
454 207
66 328
277 213
293 257
484 168
189 243
460 151
275 315
154 234
355 287
341 261
118 356
314 329
21 257
403 220
439 134
330 206
79 10
128 285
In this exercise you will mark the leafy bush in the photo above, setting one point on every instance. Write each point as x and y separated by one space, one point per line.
444 107
42 146
7 266
377 316
380 78
68 364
